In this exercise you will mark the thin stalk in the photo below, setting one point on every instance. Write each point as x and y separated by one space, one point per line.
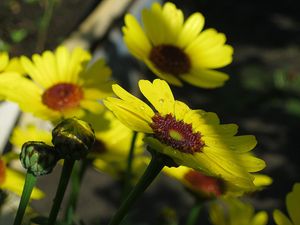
30 182
76 180
155 166
194 214
44 25
128 174
61 189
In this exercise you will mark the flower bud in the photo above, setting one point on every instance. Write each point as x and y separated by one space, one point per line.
73 138
38 157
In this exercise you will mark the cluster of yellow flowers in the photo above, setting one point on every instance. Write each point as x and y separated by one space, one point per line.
213 160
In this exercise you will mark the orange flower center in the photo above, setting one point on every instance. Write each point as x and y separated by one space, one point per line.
62 96
176 134
2 172
170 59
205 184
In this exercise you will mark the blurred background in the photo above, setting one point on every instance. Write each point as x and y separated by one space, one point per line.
262 95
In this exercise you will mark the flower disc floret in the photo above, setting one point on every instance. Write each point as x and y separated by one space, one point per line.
193 138
177 134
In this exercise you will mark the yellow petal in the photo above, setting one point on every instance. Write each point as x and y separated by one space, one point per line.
127 114
292 203
191 28
135 38
205 78
159 95
280 218
4 58
261 218
139 106
92 106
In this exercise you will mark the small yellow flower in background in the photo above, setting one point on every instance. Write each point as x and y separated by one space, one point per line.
235 212
21 135
10 65
13 181
211 187
177 50
192 138
293 208
110 150
62 84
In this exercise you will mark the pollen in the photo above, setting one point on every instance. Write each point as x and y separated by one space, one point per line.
176 134
205 184
62 96
170 59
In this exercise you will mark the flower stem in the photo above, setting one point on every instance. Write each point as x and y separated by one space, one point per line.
194 214
76 179
155 166
63 183
30 182
128 174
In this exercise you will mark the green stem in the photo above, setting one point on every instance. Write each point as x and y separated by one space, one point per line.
155 166
30 182
45 21
194 214
128 174
76 179
63 183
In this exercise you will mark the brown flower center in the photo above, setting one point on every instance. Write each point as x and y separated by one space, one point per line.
2 172
205 184
170 59
177 134
62 96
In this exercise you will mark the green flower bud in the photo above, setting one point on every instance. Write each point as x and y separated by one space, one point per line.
73 138
38 157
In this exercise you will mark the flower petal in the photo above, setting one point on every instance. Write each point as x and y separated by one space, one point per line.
159 95
205 78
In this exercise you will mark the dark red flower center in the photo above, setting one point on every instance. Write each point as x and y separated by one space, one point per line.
62 96
205 184
177 134
2 171
170 59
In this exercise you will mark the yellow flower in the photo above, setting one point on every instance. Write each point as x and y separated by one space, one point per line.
210 187
175 49
12 180
21 135
292 203
62 84
192 138
10 65
237 212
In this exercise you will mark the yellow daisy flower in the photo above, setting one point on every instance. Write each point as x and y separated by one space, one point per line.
292 203
192 138
234 211
177 50
62 84
10 65
12 180
210 187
